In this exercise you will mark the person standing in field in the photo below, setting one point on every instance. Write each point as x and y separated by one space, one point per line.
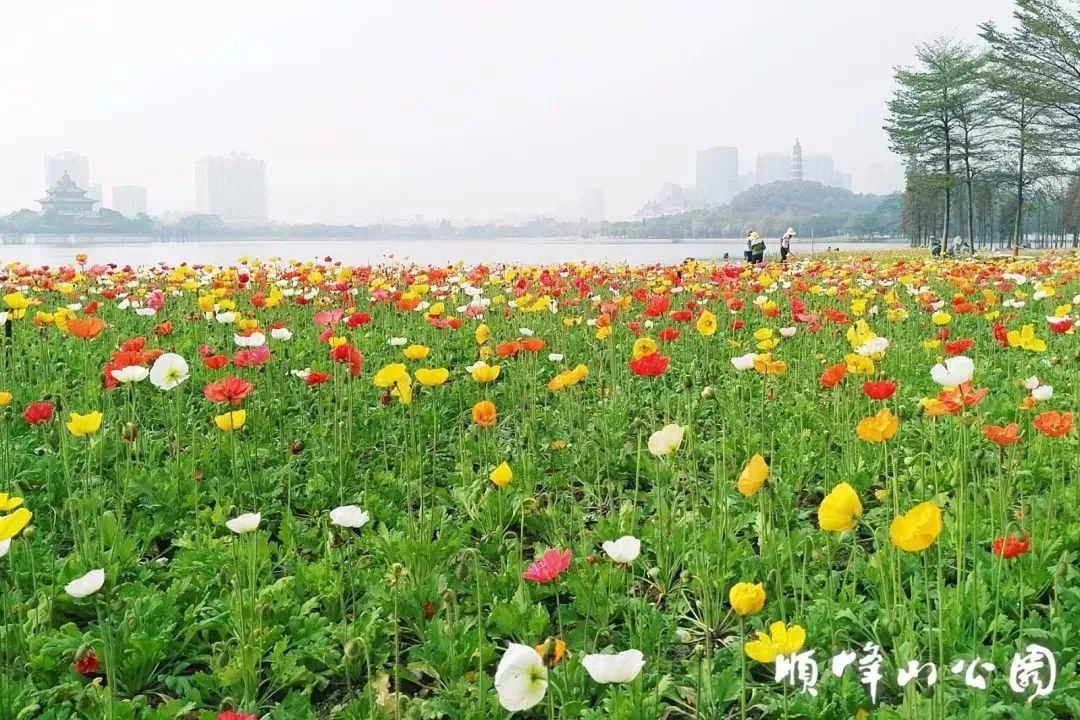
785 244
748 253
757 247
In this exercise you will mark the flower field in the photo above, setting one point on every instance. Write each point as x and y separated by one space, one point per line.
844 488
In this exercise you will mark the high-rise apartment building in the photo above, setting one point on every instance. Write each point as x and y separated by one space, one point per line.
129 200
718 174
233 187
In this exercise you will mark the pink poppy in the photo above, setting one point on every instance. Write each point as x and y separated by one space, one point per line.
328 317
549 566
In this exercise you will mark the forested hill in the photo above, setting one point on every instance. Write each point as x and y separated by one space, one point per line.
771 209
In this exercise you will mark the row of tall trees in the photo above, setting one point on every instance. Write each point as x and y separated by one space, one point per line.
990 135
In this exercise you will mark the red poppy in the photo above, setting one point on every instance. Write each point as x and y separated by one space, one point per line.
658 305
650 365
1010 546
91 307
879 389
549 566
964 395
88 664
1054 424
164 328
737 324
215 362
1003 435
347 353
832 375
358 319
232 715
668 334
317 378
228 389
1001 334
136 344
1060 326
38 412
682 315
959 347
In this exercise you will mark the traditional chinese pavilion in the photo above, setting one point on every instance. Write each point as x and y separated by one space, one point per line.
66 199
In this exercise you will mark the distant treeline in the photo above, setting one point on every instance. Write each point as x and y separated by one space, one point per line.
770 209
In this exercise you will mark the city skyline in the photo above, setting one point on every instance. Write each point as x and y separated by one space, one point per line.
465 122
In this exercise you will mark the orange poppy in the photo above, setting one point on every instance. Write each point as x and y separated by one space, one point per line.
484 413
1003 435
532 344
1054 424
833 375
86 328
508 349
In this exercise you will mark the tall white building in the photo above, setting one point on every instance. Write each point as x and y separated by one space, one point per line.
233 187
818 167
75 165
718 174
773 167
129 200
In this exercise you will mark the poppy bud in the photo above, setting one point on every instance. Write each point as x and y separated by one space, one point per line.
968 419
353 648
429 609
708 392
296 447
129 432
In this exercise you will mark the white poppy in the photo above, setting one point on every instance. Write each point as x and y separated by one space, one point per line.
956 371
169 371
397 341
86 585
874 346
74 307
256 339
283 334
525 332
788 331
744 362
1032 382
130 374
302 374
555 357
624 550
1043 392
521 678
349 516
619 668
248 522
5 545
3 318
648 324
145 312
666 440
226 317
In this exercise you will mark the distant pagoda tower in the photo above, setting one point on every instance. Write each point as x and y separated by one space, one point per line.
66 199
796 161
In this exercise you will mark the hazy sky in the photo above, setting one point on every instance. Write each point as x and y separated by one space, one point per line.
464 109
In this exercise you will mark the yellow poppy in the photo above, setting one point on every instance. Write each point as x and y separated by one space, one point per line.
484 373
917 529
752 476
1025 338
432 377
5 398
781 640
416 352
643 346
482 333
230 421
389 375
502 475
747 598
80 425
706 324
839 509
11 525
878 428
9 502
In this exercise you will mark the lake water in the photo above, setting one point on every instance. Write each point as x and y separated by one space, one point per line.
360 252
